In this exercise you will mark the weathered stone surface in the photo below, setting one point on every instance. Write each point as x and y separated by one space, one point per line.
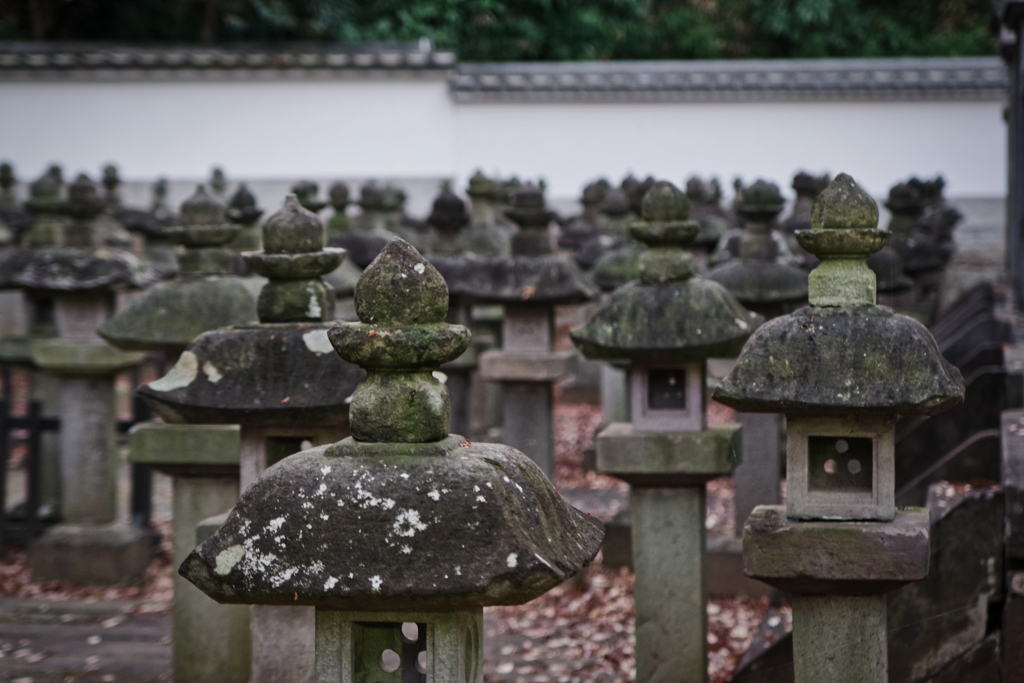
676 321
835 558
235 376
505 366
72 269
103 555
77 358
186 450
761 281
668 459
402 302
341 527
934 621
842 360
839 639
552 280
168 315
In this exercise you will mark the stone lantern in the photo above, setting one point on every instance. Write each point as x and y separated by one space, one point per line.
807 188
841 370
340 199
46 207
81 279
448 254
243 212
530 285
280 381
218 183
666 326
489 231
211 642
584 227
401 534
368 232
705 208
306 192
759 206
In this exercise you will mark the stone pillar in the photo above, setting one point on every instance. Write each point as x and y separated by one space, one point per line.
840 639
614 394
671 600
527 367
840 543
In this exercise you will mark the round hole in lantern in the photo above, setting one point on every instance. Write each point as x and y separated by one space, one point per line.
831 467
842 446
410 632
305 445
421 662
853 466
390 661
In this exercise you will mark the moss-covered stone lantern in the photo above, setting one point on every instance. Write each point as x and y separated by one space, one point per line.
368 232
280 380
401 534
46 208
841 370
530 285
666 326
81 280
340 198
307 192
758 206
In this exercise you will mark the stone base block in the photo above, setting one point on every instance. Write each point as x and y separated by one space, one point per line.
502 366
668 459
99 555
837 558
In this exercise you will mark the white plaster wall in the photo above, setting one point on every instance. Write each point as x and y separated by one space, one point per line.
877 143
273 130
255 130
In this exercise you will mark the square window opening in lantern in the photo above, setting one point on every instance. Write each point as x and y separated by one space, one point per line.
668 398
843 464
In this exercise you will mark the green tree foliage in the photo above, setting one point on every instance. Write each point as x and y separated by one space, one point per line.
530 30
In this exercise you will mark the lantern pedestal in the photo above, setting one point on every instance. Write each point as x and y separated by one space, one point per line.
443 647
838 573
667 473
89 547
211 641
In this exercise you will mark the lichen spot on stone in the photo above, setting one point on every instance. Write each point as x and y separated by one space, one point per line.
212 373
318 342
375 583
419 268
228 558
408 523
434 495
275 524
325 470
512 560
314 311
330 583
181 375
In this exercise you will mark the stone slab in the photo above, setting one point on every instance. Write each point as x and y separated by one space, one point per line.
186 450
1012 441
16 350
934 621
503 366
839 639
668 459
100 555
78 358
841 558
